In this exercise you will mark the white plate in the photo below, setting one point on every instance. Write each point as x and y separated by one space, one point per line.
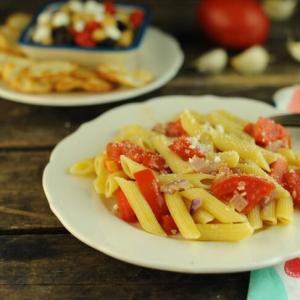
160 53
80 210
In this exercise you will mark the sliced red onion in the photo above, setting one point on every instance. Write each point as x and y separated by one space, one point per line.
275 146
159 128
267 200
238 202
204 166
196 203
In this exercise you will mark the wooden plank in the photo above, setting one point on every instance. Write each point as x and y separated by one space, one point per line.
23 205
60 267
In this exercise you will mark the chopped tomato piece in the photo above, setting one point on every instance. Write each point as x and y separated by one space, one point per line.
125 211
84 39
291 181
185 149
252 188
138 154
169 225
110 7
278 168
149 187
175 129
92 26
136 18
266 132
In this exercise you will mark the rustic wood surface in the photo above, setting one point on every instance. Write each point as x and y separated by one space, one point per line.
38 257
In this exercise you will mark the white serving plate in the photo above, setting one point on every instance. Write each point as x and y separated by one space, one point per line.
79 209
160 53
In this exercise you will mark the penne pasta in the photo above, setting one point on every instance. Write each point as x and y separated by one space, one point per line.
140 206
235 119
130 167
111 185
230 158
201 216
217 208
181 216
225 232
268 214
83 168
285 210
245 149
289 155
254 218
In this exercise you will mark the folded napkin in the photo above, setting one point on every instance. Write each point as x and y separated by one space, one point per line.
281 282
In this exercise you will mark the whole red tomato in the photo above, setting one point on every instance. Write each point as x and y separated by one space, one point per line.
235 24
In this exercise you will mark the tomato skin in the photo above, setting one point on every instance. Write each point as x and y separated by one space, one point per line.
233 24
138 154
149 187
84 39
175 129
169 225
182 147
125 210
291 182
110 7
278 169
136 18
266 132
255 189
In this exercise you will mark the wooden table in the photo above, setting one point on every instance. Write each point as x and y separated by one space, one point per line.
38 257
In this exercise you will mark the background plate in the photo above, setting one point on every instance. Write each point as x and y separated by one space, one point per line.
77 206
160 53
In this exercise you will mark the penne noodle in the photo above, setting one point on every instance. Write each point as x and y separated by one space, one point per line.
130 167
285 210
225 232
181 216
215 207
289 155
111 185
233 118
140 206
254 218
268 214
245 149
201 216
230 158
83 167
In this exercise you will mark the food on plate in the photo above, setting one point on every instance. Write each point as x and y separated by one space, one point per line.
212 177
233 23
88 23
27 75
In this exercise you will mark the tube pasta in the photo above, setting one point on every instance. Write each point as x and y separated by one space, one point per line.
217 208
181 216
83 167
130 167
190 124
245 149
254 218
285 210
225 232
111 185
201 216
268 214
230 158
176 164
195 178
289 155
140 206
233 118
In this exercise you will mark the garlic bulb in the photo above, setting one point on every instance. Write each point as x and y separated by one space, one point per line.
213 61
254 60
279 10
293 48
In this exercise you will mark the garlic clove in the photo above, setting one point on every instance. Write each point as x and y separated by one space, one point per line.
254 60
213 61
279 10
293 48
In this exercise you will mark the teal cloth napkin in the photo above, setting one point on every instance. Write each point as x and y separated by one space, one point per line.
281 282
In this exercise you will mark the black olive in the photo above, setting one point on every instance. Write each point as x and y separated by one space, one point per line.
121 25
62 36
107 43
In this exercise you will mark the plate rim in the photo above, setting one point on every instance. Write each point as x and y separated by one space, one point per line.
140 261
90 99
